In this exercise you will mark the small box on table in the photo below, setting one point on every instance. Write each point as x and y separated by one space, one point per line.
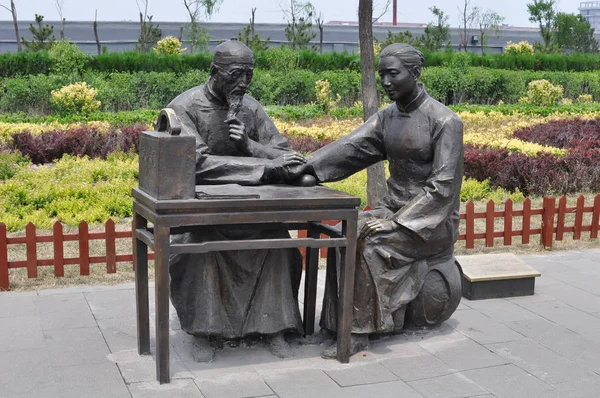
167 165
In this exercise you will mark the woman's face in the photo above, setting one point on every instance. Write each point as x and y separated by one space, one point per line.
396 79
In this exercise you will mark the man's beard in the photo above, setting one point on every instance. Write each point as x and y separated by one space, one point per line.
234 100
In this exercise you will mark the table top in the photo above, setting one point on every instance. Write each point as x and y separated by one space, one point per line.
233 197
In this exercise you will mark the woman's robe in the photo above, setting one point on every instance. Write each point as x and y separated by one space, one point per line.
424 146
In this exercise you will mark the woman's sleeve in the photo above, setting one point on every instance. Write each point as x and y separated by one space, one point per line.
361 148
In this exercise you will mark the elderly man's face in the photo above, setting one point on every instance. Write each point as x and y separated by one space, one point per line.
233 79
396 79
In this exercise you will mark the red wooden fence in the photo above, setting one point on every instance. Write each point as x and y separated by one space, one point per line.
552 228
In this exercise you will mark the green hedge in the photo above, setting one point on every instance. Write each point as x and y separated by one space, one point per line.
32 63
575 62
154 90
292 113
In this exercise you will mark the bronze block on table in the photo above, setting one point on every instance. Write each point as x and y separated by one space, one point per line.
167 165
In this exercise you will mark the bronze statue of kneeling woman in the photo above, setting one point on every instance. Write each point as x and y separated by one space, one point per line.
406 274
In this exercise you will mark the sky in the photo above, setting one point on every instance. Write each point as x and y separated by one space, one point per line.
268 11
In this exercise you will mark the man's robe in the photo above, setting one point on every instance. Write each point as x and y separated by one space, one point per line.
424 146
232 294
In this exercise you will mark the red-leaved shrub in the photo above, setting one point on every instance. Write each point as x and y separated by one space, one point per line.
84 141
563 133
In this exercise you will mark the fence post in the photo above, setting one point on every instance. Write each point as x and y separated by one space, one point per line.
489 223
133 242
4 281
560 219
595 218
31 250
526 221
548 221
59 254
84 249
470 225
508 221
578 218
111 252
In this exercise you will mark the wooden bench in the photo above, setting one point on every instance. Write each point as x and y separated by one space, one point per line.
496 275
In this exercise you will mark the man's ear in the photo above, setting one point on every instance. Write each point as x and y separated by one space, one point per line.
213 70
416 72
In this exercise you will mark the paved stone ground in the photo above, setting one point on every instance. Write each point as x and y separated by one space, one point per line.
81 342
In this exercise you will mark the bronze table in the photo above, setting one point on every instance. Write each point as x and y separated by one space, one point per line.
294 207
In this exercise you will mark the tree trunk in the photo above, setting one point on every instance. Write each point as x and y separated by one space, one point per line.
96 33
375 174
62 29
321 38
481 41
14 15
180 34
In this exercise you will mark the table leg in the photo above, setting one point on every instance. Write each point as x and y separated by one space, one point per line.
161 264
346 290
140 260
310 284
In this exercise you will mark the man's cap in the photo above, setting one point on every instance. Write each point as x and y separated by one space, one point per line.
233 52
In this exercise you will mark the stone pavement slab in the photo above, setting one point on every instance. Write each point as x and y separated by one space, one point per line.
569 317
315 383
64 311
583 388
540 361
21 333
449 386
82 342
417 367
502 310
364 374
16 306
181 388
481 328
393 389
510 381
463 354
562 341
236 385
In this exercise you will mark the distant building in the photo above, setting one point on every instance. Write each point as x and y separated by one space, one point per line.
590 10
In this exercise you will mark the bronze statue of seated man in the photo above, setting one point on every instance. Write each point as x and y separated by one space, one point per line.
231 295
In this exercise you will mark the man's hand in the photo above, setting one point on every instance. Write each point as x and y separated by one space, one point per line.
377 226
237 133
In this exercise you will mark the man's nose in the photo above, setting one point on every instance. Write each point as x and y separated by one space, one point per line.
385 81
245 80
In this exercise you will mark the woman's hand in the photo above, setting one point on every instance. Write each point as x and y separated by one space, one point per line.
377 226
283 167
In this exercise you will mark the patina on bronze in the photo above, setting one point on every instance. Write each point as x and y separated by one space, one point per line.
406 274
230 295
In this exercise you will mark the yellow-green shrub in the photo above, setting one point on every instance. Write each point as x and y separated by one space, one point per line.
169 46
584 99
71 190
324 97
522 47
482 190
543 93
75 98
